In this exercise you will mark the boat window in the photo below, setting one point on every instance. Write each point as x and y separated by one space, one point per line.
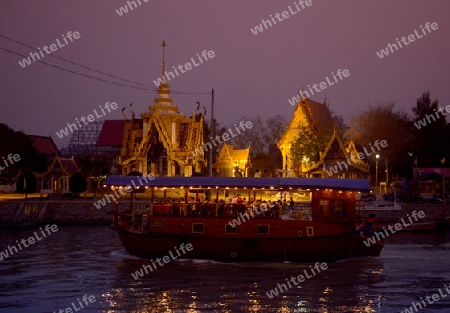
263 229
230 229
197 227
324 207
156 223
310 231
340 208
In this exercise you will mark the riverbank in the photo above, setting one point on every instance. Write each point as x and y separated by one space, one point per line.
15 213
19 213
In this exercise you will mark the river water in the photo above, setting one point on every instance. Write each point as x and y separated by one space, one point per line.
53 273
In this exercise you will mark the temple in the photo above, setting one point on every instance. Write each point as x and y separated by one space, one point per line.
337 159
162 140
232 162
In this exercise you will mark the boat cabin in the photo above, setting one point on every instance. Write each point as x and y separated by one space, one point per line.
304 199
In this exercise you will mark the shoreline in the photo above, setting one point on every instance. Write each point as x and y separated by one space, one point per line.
82 211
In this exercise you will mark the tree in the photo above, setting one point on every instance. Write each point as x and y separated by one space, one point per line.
265 162
26 183
274 130
381 122
338 121
430 131
77 183
261 135
16 142
310 142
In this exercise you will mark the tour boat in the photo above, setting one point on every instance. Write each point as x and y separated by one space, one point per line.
241 219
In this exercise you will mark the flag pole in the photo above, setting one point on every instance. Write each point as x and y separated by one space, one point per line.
212 132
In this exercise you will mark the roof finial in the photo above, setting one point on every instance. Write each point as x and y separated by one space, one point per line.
132 112
163 62
303 94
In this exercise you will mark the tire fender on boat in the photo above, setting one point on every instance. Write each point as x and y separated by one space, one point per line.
250 244
182 240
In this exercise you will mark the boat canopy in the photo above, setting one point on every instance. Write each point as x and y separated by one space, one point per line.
241 182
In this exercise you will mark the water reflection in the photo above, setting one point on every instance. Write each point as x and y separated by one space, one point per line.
89 260
207 286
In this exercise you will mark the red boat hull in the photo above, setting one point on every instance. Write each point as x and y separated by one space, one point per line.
283 244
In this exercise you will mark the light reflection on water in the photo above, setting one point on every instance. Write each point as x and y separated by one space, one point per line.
75 261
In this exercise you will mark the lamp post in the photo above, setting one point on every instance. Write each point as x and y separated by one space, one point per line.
376 171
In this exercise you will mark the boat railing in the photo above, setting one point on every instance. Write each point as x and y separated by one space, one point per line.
138 220
211 210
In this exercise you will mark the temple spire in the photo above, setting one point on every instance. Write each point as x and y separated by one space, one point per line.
163 101
163 75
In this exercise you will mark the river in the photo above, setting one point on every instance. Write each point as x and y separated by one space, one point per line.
54 274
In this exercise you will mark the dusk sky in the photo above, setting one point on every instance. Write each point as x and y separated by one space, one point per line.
251 74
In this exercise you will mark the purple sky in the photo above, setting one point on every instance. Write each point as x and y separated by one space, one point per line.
252 74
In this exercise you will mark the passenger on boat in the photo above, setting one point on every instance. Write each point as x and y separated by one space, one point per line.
227 198
234 199
192 207
221 211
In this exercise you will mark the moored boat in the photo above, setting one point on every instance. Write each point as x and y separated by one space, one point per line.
272 219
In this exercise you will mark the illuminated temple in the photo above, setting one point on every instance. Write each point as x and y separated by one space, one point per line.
335 160
162 140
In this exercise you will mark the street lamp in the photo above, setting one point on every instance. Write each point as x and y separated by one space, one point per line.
376 171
